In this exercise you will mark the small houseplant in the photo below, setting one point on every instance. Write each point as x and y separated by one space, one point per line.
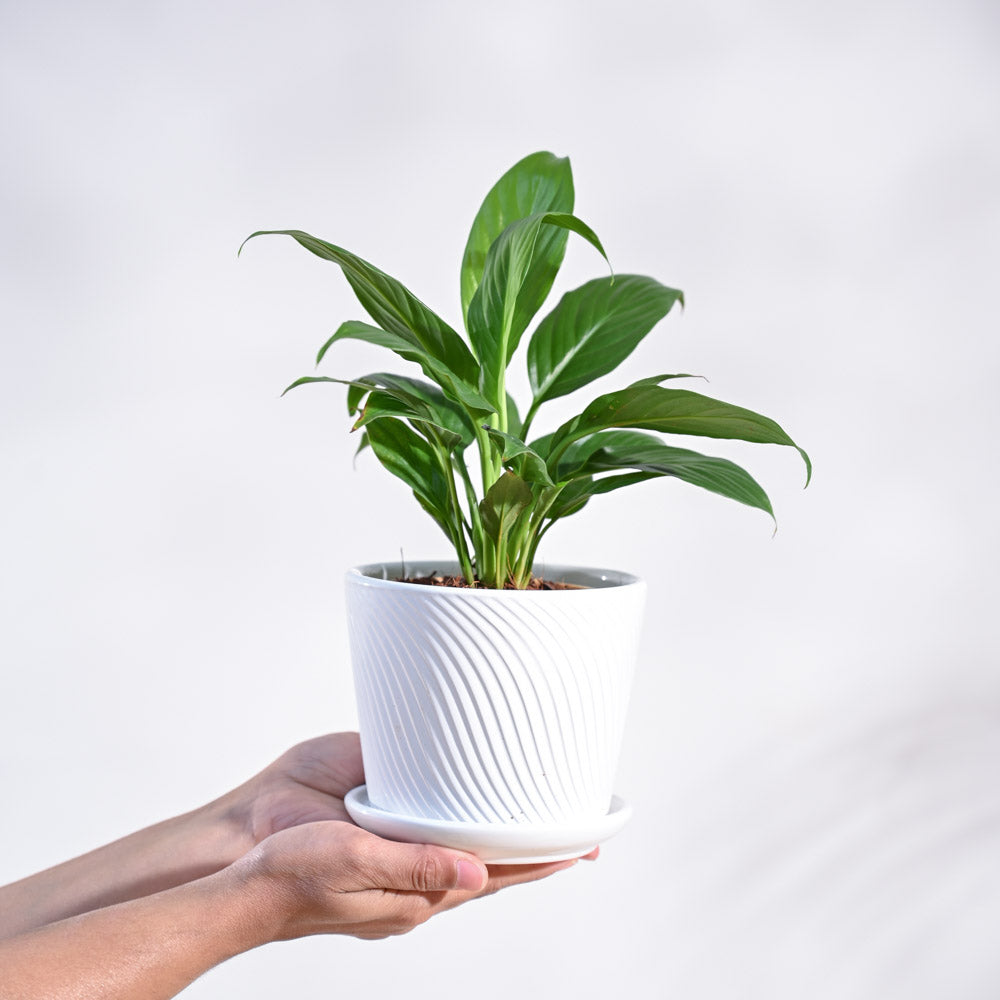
492 707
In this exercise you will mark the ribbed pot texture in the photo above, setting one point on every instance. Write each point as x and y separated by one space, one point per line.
486 706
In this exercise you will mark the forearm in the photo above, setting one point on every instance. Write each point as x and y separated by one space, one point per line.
146 949
160 857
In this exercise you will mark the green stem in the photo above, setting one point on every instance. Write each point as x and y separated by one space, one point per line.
457 532
533 548
517 549
489 466
476 519
500 569
533 534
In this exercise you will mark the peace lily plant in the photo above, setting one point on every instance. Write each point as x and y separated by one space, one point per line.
422 430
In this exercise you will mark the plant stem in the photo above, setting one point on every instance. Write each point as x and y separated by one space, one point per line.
489 465
532 535
457 532
479 541
517 548
502 411
473 502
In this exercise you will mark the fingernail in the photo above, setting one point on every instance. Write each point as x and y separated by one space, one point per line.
470 876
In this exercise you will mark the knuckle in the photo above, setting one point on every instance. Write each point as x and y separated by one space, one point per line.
357 847
357 861
428 872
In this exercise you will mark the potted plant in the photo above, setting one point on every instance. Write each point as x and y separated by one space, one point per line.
492 702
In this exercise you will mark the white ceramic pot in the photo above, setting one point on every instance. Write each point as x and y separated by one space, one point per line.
492 720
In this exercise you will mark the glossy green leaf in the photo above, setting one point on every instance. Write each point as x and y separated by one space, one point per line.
355 329
543 445
468 396
540 182
381 405
504 302
574 496
409 457
513 451
421 430
592 330
503 504
427 401
616 451
399 396
657 379
355 396
673 411
312 379
425 337
362 445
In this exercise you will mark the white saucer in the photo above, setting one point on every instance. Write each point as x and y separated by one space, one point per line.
494 843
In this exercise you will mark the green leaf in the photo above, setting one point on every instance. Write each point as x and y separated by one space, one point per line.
381 405
575 494
424 336
465 394
311 379
540 182
657 379
571 498
592 330
427 402
512 449
505 300
355 329
409 457
543 445
614 451
673 411
355 394
503 504
399 396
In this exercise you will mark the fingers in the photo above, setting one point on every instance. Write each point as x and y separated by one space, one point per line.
505 876
425 868
420 868
334 877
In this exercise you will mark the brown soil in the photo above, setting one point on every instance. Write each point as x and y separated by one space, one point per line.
439 580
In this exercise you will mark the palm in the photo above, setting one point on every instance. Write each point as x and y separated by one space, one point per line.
306 784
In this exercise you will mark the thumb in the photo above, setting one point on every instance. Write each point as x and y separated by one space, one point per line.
425 868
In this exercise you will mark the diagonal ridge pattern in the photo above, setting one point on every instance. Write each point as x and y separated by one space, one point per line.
491 706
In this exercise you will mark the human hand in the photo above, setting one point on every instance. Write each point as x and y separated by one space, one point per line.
323 874
335 878
274 859
303 785
306 784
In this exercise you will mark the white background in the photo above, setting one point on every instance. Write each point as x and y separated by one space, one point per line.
813 750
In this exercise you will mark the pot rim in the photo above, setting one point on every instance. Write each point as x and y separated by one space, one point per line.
588 578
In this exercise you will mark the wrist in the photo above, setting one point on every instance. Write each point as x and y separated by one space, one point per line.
265 902
224 826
